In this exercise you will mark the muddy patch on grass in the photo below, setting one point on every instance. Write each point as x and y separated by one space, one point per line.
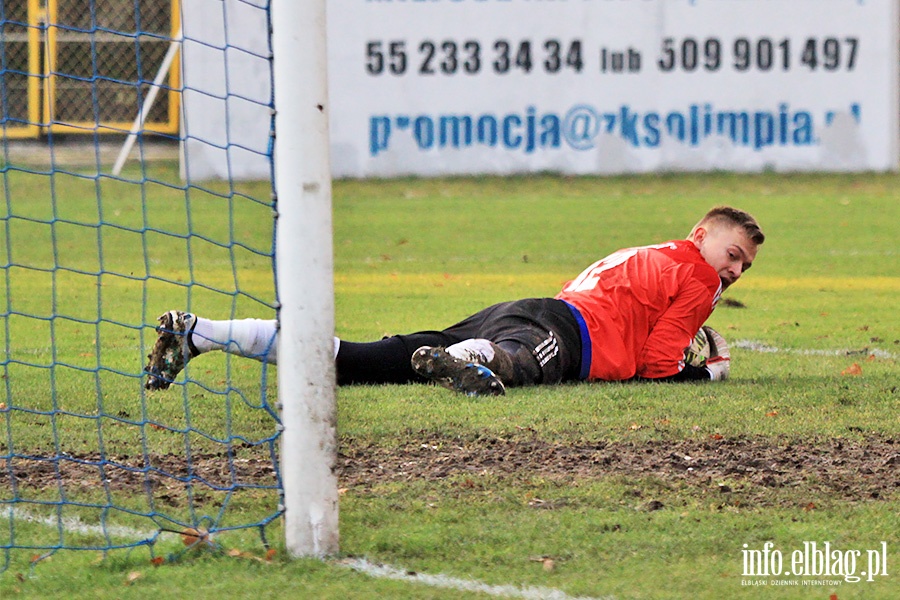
838 469
841 469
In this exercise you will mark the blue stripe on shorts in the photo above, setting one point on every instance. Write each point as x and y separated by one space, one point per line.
585 342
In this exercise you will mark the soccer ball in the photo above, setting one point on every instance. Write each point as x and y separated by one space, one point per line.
699 350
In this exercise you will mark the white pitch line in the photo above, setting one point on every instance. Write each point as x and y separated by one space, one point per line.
76 525
765 348
463 585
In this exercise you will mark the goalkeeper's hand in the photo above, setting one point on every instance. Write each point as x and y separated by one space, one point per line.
719 362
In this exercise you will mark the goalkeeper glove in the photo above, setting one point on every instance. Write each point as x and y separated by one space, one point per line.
719 362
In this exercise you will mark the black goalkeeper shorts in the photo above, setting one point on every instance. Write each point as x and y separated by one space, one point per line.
545 328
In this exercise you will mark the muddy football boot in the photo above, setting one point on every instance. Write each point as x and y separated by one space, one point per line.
456 374
172 350
487 353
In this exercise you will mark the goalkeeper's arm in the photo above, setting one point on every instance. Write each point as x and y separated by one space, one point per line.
715 368
691 373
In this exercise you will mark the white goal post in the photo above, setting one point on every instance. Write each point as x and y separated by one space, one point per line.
304 275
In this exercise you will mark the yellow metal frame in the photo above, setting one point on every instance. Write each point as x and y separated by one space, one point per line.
49 55
33 129
42 80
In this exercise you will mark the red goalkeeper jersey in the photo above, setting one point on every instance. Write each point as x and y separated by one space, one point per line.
641 308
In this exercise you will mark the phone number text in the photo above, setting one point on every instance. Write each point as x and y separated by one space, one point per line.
686 55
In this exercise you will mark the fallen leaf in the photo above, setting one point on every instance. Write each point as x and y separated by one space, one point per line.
549 565
234 553
132 577
853 369
809 506
157 560
716 436
772 413
270 553
2 405
191 536
634 427
870 358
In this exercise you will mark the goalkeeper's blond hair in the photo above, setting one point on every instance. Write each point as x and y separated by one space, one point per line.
730 216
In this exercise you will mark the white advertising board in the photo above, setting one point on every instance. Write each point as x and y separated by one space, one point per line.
435 87
438 87
227 92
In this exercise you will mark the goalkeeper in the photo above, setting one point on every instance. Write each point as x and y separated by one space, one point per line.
631 315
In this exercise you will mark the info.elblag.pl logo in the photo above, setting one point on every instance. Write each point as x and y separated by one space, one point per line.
825 562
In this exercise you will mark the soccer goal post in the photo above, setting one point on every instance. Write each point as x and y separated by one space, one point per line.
91 457
304 274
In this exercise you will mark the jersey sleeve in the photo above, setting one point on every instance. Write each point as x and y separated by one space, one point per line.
663 353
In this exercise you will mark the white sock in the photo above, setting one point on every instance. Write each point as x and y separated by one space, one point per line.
474 350
253 338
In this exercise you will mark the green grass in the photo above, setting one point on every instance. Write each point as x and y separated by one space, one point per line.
421 254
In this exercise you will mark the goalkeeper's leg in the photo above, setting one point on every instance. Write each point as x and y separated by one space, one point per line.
182 336
250 338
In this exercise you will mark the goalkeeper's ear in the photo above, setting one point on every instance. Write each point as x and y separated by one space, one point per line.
719 362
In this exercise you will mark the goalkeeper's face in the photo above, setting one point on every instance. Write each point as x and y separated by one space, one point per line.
727 249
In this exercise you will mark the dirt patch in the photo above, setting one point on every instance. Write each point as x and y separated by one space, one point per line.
841 469
165 477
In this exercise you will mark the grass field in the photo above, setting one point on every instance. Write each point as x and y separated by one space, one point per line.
629 491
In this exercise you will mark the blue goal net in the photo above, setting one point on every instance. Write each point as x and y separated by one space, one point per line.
126 193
